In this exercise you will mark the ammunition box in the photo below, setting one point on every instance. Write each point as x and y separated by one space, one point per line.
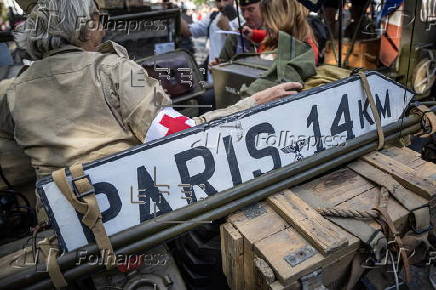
229 78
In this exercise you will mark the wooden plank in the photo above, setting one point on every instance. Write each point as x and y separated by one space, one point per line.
224 246
406 198
276 285
427 170
249 275
336 273
405 175
334 188
309 223
255 223
278 248
232 249
264 275
413 160
404 155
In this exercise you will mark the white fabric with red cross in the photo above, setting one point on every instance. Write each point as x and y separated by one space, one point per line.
168 121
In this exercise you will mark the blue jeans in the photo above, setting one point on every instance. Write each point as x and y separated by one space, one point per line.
5 55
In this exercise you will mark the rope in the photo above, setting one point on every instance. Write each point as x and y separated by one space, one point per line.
347 213
358 214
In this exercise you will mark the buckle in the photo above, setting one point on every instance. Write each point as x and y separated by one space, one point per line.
418 232
76 190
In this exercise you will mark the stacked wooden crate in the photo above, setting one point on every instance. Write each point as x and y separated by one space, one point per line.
283 242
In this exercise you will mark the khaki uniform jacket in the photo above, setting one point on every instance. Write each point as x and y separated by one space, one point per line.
77 106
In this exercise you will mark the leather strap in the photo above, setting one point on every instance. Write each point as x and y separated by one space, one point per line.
86 204
401 249
373 106
419 244
356 271
428 119
50 251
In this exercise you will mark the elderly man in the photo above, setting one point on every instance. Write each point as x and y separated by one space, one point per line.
80 101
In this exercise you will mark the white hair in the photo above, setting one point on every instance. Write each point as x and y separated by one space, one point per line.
53 24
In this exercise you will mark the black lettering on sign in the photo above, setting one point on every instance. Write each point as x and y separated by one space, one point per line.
114 209
113 198
267 151
386 110
200 179
313 119
147 192
363 114
232 160
347 126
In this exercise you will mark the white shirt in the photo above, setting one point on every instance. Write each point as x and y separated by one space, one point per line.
216 40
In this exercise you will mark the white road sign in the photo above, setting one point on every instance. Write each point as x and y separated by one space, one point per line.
170 173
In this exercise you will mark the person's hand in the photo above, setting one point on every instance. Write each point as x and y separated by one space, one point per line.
276 92
215 62
223 23
247 32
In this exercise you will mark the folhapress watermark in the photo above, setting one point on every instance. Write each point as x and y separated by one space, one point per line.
128 26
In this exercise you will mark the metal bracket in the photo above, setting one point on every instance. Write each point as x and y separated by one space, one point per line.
300 256
76 190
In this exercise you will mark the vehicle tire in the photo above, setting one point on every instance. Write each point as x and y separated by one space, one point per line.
198 255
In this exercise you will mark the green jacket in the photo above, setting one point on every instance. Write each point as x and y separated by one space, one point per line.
231 45
295 62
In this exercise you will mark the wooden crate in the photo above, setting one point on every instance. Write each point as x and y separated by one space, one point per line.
276 242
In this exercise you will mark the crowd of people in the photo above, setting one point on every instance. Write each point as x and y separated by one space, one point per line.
75 103
253 29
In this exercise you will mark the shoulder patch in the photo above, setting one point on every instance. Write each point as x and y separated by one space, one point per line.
113 47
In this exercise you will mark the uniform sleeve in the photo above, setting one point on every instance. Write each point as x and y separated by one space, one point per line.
140 97
6 121
243 104
199 28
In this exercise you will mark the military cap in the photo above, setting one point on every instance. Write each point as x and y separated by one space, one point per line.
27 5
247 2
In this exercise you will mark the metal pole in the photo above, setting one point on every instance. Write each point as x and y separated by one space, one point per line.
341 16
229 208
154 227
239 26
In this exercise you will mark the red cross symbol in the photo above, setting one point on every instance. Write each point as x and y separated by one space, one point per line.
175 124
